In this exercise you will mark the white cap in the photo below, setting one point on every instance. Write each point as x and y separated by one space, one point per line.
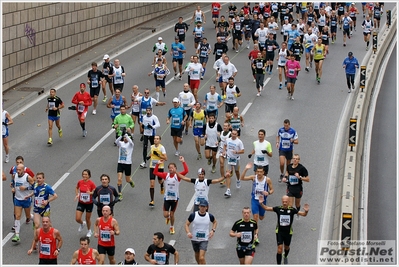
106 57
176 100
130 250
159 38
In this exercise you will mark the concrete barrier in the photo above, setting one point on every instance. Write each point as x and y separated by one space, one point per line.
353 207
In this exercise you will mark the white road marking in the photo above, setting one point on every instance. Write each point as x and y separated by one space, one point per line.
265 82
172 242
101 140
190 204
8 237
246 109
60 180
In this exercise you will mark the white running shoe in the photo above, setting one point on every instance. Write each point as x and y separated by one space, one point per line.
177 153
89 233
82 226
142 165
228 193
238 184
94 112
258 94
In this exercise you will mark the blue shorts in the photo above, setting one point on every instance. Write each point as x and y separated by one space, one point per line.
53 118
203 60
198 132
6 134
23 203
220 79
308 49
160 83
256 208
44 212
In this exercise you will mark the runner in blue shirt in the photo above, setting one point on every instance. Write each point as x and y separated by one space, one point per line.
177 119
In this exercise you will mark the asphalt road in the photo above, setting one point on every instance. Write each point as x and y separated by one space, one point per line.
314 114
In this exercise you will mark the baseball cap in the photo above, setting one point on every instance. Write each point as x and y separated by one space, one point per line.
106 56
203 203
82 85
350 54
176 100
159 38
201 171
130 250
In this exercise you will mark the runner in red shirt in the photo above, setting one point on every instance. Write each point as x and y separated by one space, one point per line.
82 100
252 56
85 255
106 228
84 195
50 242
215 7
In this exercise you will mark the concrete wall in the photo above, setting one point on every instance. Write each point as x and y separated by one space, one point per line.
39 35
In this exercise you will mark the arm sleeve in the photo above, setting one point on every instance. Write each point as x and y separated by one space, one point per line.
156 123
185 171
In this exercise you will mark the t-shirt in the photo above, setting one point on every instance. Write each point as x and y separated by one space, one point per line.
247 230
161 254
54 102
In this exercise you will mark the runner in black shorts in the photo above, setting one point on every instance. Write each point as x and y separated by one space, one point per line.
246 232
295 175
285 216
157 153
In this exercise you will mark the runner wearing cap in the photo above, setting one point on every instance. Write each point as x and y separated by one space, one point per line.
201 187
350 65
129 257
160 45
82 100
200 221
178 119
149 124
107 70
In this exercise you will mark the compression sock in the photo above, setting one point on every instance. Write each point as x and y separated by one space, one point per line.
286 251
119 188
278 257
152 194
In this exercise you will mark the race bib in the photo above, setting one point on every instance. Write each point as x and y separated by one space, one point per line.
39 201
285 220
81 108
176 53
94 82
105 236
45 249
260 158
176 121
200 235
160 258
293 179
285 143
246 237
232 161
203 53
105 199
84 197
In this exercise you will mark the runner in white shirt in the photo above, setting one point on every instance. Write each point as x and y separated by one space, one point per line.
262 34
226 71
187 101
195 70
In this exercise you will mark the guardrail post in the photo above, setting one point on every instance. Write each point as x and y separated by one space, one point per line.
375 38
362 83
388 18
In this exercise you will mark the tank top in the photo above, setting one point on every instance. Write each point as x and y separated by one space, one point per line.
211 135
230 95
86 259
145 104
116 110
198 16
4 120
318 52
172 187
235 123
118 78
258 187
223 139
135 102
47 243
21 181
200 227
282 57
105 238
201 190
199 119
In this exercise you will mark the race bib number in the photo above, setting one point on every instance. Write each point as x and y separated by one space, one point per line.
176 53
259 65
160 258
293 179
38 201
51 105
219 52
203 53
105 199
81 108
285 220
153 163
291 71
45 249
198 124
232 161
285 143
84 197
171 194
176 121
200 235
105 236
94 82
181 31
260 158
159 76
246 237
